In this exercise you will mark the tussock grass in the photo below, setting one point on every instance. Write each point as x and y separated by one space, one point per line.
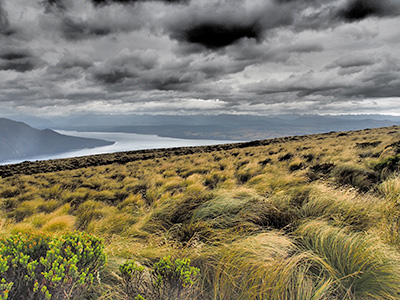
360 265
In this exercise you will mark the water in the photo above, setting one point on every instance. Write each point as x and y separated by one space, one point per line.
123 142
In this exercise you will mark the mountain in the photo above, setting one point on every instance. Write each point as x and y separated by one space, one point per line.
218 127
18 140
224 127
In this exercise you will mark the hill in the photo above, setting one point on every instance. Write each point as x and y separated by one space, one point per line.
302 217
18 140
219 127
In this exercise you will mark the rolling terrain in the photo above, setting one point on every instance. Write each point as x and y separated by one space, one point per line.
19 140
301 217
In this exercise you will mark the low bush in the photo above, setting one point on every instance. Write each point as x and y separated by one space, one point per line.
168 279
37 266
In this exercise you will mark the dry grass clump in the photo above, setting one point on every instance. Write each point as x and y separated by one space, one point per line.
360 266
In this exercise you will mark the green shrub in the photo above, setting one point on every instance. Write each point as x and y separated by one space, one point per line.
40 267
168 279
4 285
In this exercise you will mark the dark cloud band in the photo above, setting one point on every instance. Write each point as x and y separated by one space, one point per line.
19 60
355 10
216 36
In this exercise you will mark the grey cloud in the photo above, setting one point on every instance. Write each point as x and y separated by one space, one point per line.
54 5
62 5
379 82
217 25
69 67
108 2
79 29
354 60
75 24
127 65
5 28
69 61
216 36
355 10
112 76
19 60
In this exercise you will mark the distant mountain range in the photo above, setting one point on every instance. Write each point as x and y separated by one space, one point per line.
18 140
218 127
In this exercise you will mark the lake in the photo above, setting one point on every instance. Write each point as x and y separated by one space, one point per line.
123 142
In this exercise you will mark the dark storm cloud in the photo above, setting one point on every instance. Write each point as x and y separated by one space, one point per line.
108 2
355 10
224 23
214 35
54 5
61 5
4 22
19 60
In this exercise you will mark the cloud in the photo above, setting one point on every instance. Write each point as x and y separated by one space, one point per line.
252 55
354 60
108 2
63 5
375 79
214 36
79 20
355 10
78 29
216 25
4 22
19 60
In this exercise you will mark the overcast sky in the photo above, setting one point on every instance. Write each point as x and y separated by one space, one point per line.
64 57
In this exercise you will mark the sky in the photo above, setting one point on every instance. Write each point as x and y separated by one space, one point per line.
67 57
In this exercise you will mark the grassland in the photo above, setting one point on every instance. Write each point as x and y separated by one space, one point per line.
309 217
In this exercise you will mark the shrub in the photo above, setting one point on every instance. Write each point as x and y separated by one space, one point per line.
40 267
168 279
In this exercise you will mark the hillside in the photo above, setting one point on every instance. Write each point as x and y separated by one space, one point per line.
18 140
304 217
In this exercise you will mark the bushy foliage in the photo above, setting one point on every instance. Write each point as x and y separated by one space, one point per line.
168 279
36 266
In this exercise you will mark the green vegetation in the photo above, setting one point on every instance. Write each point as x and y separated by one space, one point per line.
36 266
310 217
168 279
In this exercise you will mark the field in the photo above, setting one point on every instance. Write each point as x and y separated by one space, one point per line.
308 217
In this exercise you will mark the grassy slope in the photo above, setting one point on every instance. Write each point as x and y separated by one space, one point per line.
312 217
